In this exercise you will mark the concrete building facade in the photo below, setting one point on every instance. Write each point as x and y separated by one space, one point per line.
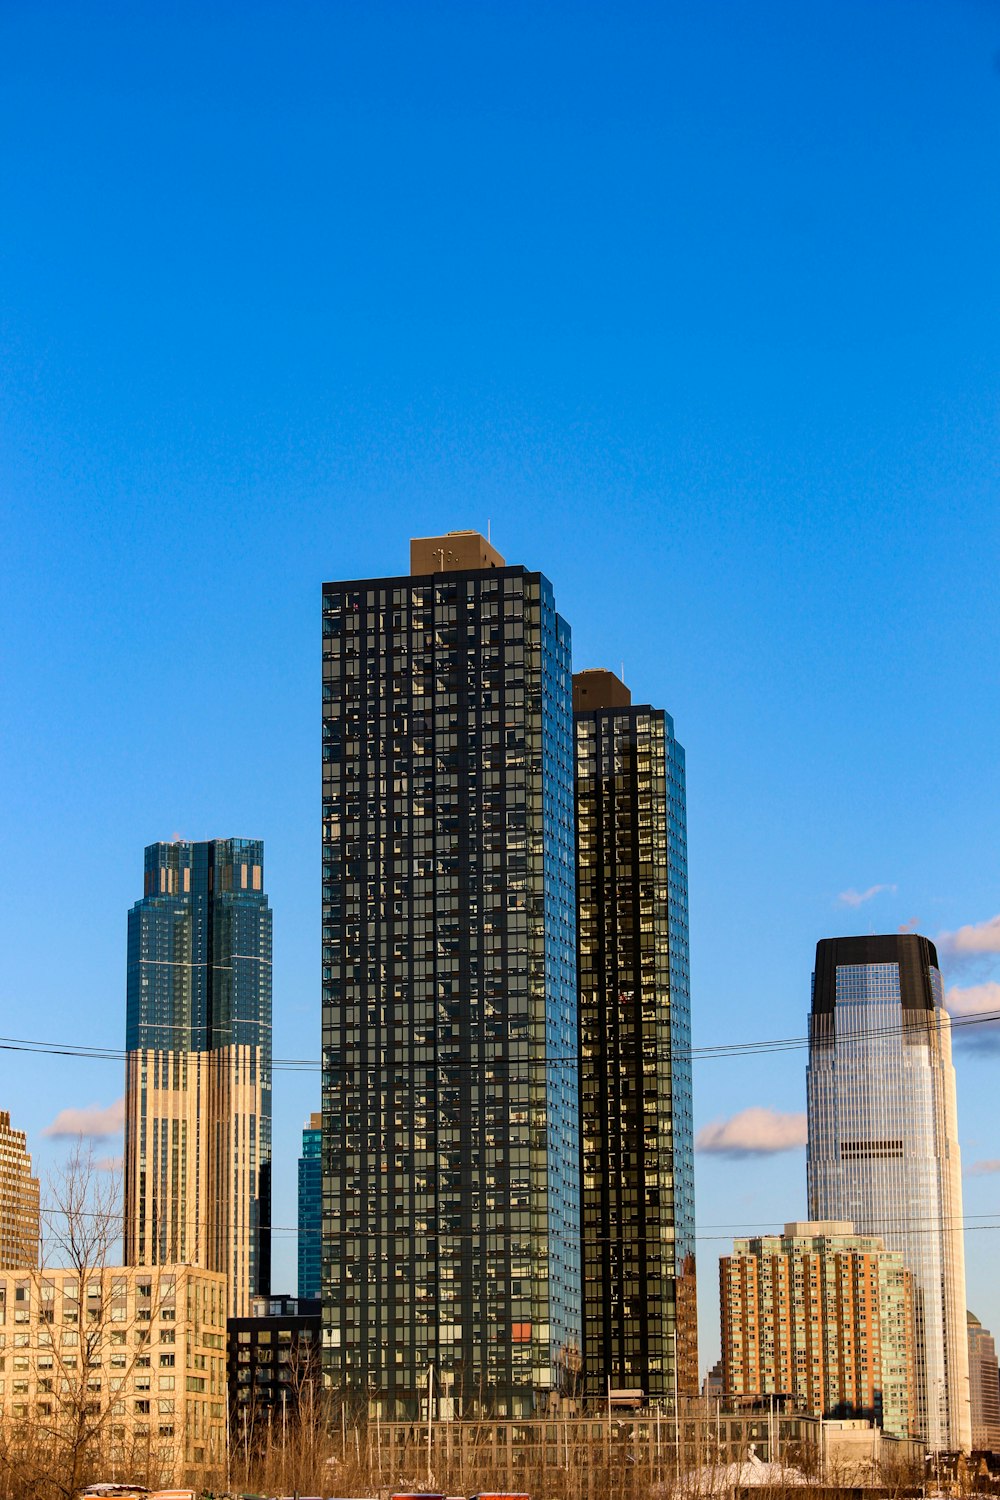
189 1151
128 1362
824 1316
984 1388
19 1199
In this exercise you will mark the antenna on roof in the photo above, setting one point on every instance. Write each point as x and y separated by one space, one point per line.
623 669
488 524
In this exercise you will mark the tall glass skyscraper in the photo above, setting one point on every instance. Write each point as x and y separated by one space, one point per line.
198 1068
883 1143
450 1123
311 1208
640 1308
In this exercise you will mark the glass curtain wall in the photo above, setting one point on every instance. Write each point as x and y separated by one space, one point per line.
450 1167
883 1143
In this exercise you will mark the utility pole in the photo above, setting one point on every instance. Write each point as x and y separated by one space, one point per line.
430 1418
677 1415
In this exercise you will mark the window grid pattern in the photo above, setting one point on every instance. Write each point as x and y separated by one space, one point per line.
883 1153
826 1317
199 981
635 1067
450 1171
310 1208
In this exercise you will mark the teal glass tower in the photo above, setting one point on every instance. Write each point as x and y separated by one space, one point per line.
199 982
311 1207
450 1108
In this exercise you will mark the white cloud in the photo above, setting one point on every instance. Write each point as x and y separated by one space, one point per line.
975 1009
110 1164
98 1122
973 999
983 1168
974 937
753 1132
858 898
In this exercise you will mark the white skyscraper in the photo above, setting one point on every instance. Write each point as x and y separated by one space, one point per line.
883 1143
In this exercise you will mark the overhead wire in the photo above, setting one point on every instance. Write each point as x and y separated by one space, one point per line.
700 1054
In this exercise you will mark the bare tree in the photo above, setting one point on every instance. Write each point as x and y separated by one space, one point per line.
85 1339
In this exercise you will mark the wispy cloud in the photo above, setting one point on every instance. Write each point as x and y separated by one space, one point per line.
983 1168
974 937
858 898
110 1163
95 1121
753 1132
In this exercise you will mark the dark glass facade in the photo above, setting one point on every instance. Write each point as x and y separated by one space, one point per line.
450 1125
311 1208
635 1047
272 1368
199 980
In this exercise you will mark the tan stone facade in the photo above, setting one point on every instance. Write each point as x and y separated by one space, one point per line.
132 1358
191 1162
18 1199
984 1388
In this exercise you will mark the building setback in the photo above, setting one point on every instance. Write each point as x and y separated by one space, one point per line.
19 1199
822 1315
311 1208
984 1388
198 1064
640 1315
450 1114
883 1143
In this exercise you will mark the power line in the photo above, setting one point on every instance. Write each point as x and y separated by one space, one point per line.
763 1230
699 1054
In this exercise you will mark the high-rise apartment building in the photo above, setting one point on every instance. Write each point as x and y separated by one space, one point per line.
640 1317
883 1143
984 1388
19 1205
822 1315
450 1113
198 1065
311 1208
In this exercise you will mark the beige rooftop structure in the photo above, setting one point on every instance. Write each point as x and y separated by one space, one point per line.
817 1229
455 552
19 1225
599 688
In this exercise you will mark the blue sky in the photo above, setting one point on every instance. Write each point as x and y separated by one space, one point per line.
697 305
